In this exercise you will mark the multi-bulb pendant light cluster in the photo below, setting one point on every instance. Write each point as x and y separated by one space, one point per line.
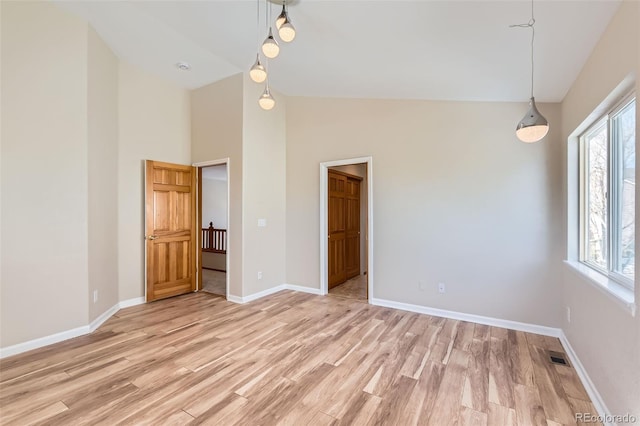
533 125
271 49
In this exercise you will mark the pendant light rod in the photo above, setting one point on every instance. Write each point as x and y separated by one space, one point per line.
531 24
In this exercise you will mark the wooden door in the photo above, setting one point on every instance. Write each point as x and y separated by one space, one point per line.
170 195
344 227
352 229
337 228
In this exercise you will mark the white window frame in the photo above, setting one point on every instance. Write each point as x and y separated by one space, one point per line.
612 194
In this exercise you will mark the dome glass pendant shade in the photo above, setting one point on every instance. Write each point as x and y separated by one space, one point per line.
266 101
270 46
533 125
287 32
257 72
282 17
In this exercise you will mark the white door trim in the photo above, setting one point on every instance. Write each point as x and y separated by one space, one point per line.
324 264
219 162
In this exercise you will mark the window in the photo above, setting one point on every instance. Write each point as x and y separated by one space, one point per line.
607 194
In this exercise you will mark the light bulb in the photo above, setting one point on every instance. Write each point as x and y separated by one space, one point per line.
270 46
287 32
281 18
257 71
532 133
266 101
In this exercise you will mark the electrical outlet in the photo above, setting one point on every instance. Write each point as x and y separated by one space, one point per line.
441 288
422 285
95 296
568 314
259 275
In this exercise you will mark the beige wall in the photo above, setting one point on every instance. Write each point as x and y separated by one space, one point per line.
214 203
360 170
469 206
154 124
102 120
264 190
216 133
44 194
604 335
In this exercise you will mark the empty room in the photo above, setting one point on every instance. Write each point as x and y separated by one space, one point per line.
317 212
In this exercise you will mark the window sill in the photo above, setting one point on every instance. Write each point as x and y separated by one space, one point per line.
620 294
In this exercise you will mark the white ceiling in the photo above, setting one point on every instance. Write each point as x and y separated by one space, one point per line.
421 49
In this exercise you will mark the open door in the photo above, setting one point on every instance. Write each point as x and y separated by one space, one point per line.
170 213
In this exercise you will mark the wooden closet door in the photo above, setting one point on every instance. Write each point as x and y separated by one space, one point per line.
337 228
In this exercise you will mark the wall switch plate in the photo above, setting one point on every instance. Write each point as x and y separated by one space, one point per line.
568 314
422 285
441 288
262 223
95 296
259 275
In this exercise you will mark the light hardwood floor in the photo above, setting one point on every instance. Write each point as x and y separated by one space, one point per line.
290 359
355 288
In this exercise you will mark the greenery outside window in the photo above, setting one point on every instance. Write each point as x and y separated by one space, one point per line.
607 193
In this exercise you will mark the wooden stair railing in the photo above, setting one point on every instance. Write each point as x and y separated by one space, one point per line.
214 240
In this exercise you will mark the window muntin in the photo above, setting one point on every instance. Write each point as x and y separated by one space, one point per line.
607 216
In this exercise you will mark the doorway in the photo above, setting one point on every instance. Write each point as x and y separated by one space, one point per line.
213 217
346 228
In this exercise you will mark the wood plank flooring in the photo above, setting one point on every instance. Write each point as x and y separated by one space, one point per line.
355 288
289 359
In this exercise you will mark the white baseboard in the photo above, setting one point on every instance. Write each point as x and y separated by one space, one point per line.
270 291
255 296
43 341
494 322
303 289
593 393
69 334
93 326
131 302
234 299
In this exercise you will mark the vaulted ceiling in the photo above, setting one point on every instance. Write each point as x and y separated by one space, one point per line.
421 49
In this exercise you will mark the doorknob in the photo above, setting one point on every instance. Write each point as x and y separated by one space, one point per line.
152 237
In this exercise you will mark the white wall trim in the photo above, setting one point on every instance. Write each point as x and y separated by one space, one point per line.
43 341
324 169
69 334
255 296
479 319
593 393
272 290
303 289
93 325
131 302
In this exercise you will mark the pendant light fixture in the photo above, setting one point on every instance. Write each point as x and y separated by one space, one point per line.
533 125
258 73
286 30
270 47
266 101
283 15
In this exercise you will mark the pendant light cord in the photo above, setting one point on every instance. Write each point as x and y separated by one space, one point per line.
531 24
